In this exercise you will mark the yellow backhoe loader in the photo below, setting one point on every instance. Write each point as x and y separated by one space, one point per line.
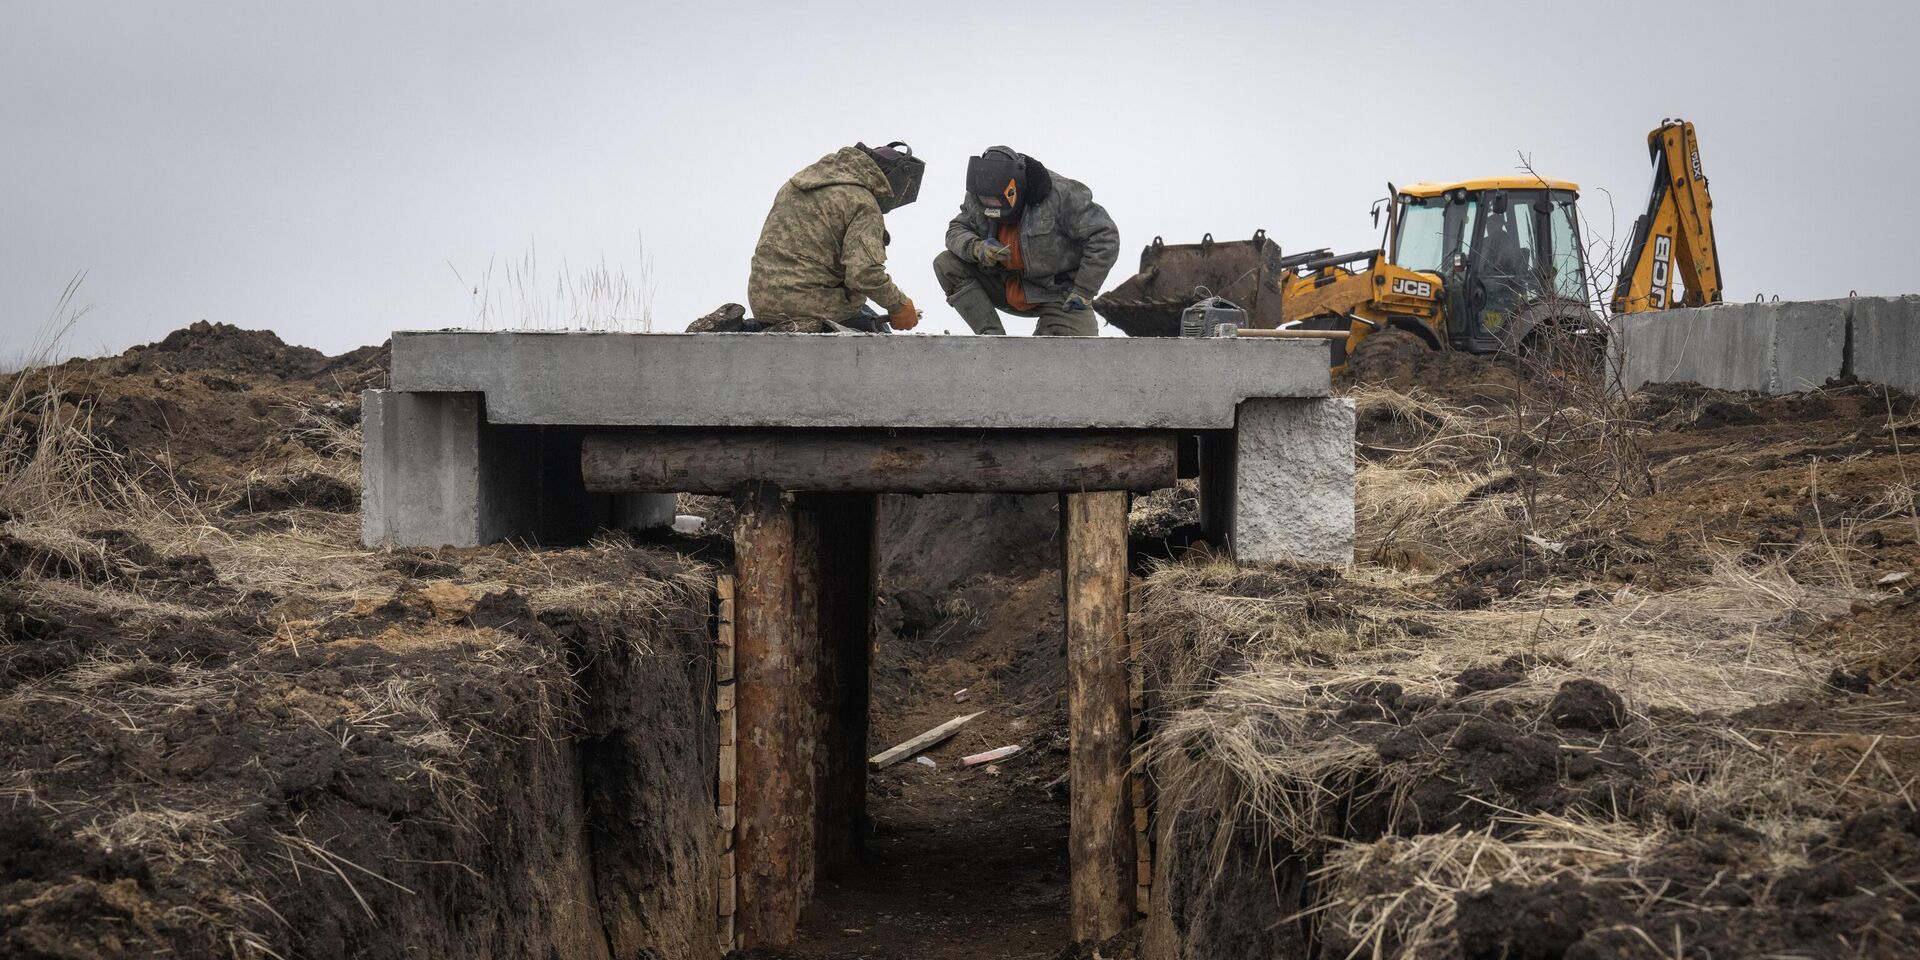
1478 265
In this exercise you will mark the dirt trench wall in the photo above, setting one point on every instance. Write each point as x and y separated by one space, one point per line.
590 845
1207 907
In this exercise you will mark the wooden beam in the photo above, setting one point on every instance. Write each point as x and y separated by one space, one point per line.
983 462
915 744
1101 835
767 909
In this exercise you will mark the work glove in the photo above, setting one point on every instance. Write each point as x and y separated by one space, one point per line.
991 253
1075 303
904 316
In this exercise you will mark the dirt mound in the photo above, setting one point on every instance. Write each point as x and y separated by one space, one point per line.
1402 361
225 348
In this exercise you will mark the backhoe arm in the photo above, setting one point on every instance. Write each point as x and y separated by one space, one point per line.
1676 232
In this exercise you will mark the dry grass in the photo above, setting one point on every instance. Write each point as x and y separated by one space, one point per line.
1397 897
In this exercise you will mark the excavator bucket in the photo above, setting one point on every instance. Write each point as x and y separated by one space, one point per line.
1173 278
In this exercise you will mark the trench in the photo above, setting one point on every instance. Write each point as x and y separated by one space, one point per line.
959 863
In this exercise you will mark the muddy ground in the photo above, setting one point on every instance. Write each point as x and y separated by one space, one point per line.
1606 680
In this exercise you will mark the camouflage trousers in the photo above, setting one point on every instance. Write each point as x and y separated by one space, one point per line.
979 295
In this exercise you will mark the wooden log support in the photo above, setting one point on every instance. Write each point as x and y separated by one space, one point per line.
1000 462
768 908
726 892
1101 842
810 710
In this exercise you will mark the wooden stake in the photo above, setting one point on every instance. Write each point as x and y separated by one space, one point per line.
1101 842
767 872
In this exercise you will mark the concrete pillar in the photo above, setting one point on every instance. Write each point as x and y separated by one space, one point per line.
423 469
1280 487
435 473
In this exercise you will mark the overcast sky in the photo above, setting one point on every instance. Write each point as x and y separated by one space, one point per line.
334 171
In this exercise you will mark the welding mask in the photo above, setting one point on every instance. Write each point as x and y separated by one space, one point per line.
902 170
998 179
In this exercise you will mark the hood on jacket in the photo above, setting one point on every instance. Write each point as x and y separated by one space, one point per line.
849 166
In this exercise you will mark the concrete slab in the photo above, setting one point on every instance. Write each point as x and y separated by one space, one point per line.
1766 347
805 380
1886 341
1292 482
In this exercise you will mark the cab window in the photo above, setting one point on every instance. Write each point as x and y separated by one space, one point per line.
1422 239
1569 273
1431 230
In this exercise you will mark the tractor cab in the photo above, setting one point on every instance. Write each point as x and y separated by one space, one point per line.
1506 251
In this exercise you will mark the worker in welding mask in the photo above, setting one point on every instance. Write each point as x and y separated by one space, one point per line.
1027 241
823 248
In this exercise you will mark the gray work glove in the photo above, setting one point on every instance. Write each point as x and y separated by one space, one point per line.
991 253
1076 303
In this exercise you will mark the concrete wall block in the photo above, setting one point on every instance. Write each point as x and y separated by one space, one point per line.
1886 341
1293 481
1809 343
420 468
1764 347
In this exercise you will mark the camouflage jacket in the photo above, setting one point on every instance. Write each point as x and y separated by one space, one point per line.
1067 242
822 253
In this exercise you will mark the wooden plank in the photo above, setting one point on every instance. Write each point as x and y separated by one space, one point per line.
913 745
1100 844
973 462
767 713
725 884
990 756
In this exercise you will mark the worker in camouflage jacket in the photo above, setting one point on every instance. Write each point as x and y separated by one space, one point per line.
823 249
1027 241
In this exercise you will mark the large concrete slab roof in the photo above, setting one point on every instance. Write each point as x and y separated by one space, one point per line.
855 380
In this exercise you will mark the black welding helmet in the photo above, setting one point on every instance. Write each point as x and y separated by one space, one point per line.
998 179
902 169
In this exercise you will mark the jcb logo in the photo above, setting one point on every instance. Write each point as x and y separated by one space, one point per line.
1413 288
1662 263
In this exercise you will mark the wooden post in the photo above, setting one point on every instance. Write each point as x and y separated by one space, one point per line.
1101 835
767 911
808 696
726 792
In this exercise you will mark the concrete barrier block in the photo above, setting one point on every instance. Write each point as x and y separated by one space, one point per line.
1763 347
1809 344
1292 496
1886 341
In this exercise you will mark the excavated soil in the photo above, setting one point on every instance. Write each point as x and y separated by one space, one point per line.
1554 712
227 730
